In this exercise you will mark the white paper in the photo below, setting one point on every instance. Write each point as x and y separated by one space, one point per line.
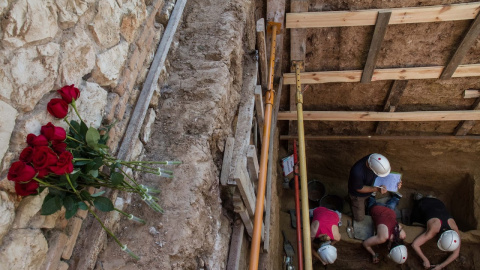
390 181
287 164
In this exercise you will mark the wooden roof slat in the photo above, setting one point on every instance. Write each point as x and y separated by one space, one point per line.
377 40
464 11
394 95
465 126
378 137
382 116
413 73
462 49
471 93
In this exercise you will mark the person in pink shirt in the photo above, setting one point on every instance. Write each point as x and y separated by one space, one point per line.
324 227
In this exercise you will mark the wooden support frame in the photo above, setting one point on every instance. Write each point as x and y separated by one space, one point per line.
465 11
462 49
394 95
377 137
465 126
235 252
252 163
414 73
259 109
262 53
382 116
377 40
227 160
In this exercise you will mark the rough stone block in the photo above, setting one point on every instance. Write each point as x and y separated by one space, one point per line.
121 106
91 104
78 58
109 64
7 214
56 245
106 24
70 10
164 15
134 59
112 101
63 265
30 21
8 114
23 249
147 126
6 86
28 208
73 229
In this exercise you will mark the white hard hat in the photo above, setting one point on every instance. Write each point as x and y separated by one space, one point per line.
398 254
328 253
379 164
449 241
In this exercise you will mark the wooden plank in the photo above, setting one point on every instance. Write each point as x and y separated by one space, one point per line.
377 40
394 95
227 159
466 11
268 199
150 84
252 163
471 93
383 116
239 208
245 186
262 53
377 137
465 126
276 13
472 70
467 42
234 253
298 50
259 107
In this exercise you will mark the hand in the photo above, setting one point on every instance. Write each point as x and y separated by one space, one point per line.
437 267
383 189
399 185
426 264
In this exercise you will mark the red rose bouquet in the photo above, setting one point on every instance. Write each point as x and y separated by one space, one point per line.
69 163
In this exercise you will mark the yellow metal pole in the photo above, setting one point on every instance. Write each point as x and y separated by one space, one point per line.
303 171
262 177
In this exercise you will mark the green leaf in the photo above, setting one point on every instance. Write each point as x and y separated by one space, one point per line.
92 137
103 204
116 178
56 192
82 205
51 204
85 195
70 206
75 125
93 173
81 162
83 129
98 193
98 163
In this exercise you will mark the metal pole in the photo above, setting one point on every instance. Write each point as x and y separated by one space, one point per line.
303 170
262 178
297 208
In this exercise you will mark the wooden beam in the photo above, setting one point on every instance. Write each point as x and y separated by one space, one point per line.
466 11
471 93
235 251
259 107
239 208
245 187
252 163
382 116
262 53
377 40
276 13
467 42
414 73
227 159
377 137
465 126
394 95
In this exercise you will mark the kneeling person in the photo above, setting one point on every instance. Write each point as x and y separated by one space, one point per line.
385 221
324 227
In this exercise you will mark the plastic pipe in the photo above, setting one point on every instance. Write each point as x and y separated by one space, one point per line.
307 247
262 177
297 208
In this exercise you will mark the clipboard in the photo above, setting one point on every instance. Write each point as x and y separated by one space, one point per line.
390 181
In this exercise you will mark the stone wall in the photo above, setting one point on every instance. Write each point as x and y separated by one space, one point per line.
105 49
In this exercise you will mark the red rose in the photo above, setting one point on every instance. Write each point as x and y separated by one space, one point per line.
25 189
42 173
59 147
26 154
34 140
64 164
43 157
69 92
52 132
57 107
20 172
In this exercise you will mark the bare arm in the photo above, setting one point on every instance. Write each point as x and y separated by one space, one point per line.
455 253
419 241
380 238
370 189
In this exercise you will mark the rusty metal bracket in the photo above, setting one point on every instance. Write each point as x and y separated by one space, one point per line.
270 26
299 63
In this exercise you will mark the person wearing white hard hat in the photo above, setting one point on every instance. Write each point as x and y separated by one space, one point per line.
324 231
361 179
388 229
433 213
